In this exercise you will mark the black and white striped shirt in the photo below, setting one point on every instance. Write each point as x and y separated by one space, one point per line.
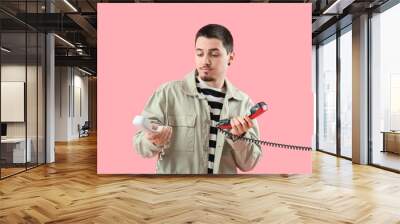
215 98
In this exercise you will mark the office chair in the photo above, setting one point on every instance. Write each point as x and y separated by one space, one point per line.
84 130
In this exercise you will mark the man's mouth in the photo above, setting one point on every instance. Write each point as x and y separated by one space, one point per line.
205 69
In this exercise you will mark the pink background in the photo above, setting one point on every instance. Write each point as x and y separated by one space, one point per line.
141 46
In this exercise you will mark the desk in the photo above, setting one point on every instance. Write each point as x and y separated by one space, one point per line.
391 141
13 150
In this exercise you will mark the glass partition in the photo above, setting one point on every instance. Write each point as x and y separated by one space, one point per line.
13 103
22 77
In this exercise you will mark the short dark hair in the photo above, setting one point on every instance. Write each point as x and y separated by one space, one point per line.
219 32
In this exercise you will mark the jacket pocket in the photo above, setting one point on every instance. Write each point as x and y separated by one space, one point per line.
183 132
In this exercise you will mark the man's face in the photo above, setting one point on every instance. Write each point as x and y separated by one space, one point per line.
211 59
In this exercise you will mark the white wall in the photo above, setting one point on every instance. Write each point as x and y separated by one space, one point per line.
16 73
62 78
70 83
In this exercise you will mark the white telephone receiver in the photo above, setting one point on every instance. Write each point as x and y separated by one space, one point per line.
144 123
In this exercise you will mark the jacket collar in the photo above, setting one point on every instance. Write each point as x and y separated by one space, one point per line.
189 87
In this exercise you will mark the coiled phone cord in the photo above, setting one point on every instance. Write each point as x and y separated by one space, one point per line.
259 142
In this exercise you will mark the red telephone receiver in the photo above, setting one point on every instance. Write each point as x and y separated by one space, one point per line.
255 111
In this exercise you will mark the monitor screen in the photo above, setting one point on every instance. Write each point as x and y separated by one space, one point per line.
3 129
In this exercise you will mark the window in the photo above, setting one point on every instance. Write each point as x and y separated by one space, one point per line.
385 88
346 92
327 95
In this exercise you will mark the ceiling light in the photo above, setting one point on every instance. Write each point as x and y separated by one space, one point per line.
84 71
5 50
64 40
337 7
70 5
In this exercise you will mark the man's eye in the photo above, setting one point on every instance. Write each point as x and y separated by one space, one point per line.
199 55
215 55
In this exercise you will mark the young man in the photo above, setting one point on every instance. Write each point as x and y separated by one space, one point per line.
188 111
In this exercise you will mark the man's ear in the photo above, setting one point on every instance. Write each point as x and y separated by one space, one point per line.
231 57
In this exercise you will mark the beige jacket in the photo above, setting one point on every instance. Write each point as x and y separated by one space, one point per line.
179 105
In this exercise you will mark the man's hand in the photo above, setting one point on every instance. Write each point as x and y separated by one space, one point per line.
240 125
160 138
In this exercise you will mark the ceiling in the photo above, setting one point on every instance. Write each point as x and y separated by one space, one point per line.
76 22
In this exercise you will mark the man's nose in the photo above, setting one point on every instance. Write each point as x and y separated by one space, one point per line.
206 60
